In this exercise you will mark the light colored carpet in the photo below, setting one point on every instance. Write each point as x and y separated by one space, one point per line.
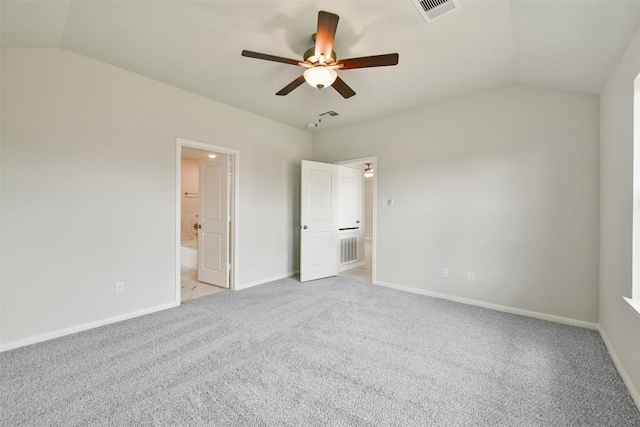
330 352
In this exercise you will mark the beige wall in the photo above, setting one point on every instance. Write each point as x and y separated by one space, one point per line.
620 325
89 190
502 183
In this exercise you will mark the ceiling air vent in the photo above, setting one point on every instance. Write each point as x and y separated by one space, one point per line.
329 113
432 9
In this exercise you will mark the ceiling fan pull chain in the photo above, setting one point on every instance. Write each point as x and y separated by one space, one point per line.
319 103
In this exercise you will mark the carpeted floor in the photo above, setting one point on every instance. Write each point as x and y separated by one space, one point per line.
331 352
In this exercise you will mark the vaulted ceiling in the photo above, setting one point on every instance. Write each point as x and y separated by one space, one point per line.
196 45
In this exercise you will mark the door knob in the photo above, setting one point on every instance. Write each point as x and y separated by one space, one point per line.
358 222
304 227
198 226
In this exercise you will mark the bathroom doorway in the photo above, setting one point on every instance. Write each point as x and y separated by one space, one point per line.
206 219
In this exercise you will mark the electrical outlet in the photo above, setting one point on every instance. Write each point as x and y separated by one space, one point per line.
445 272
471 276
119 287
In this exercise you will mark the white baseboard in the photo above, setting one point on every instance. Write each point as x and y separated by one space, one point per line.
504 308
263 281
346 267
74 329
635 395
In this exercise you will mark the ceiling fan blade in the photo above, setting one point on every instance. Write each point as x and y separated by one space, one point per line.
258 55
343 88
369 61
327 26
291 86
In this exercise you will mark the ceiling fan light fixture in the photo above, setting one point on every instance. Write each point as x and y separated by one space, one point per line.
368 171
320 60
320 76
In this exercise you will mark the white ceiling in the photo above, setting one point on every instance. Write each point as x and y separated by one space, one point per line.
196 45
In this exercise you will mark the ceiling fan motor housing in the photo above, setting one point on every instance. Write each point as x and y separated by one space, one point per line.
309 55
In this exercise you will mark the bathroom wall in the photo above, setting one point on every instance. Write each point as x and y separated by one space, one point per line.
189 207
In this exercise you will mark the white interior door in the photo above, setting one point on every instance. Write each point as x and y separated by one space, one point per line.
350 186
351 183
213 232
319 220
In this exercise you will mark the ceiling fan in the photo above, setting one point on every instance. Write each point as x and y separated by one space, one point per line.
321 61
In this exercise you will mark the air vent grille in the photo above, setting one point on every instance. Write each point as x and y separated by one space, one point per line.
348 249
329 113
427 5
432 9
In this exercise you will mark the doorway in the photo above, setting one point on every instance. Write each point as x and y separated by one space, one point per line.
365 270
206 219
333 220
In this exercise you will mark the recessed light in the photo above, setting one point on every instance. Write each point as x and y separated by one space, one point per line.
212 156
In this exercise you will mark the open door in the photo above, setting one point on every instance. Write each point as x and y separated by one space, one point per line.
213 226
351 224
319 221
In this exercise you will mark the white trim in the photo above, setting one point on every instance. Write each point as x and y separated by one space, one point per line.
497 307
75 329
635 195
634 304
345 267
235 221
178 230
374 249
368 159
263 281
635 395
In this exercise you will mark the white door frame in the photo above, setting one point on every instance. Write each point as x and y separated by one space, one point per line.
234 256
374 160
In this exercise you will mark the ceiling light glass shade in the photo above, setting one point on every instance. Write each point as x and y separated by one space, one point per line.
320 76
368 171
